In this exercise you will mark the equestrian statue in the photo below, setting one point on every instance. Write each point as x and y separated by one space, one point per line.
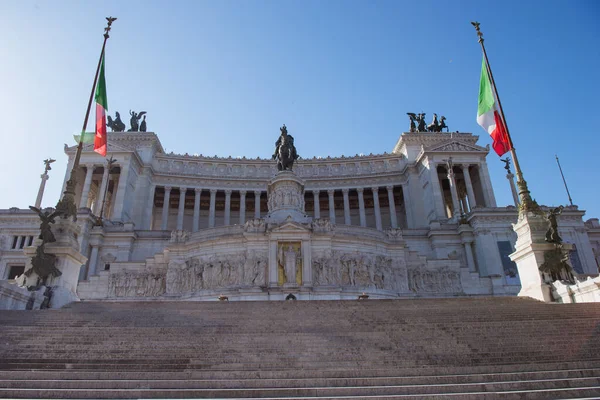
285 151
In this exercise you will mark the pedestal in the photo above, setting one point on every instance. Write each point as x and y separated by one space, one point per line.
286 199
69 261
529 256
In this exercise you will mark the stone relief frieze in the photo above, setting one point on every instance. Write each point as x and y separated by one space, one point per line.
179 236
261 168
321 225
436 280
217 272
136 284
358 270
255 225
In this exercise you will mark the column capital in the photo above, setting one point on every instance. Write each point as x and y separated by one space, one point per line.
465 166
228 192
242 192
257 192
330 192
345 191
214 191
90 165
375 189
316 192
360 190
168 188
390 188
197 190
182 189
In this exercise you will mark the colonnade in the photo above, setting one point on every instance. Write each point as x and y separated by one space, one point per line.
463 194
92 195
340 209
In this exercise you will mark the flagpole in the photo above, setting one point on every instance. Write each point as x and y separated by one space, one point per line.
527 204
563 178
66 206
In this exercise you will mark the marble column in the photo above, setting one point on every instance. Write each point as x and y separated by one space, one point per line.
361 206
438 198
347 220
257 203
317 204
331 192
469 254
149 212
488 192
375 191
196 221
40 195
227 218
86 186
469 185
513 188
93 263
410 222
181 211
242 207
393 217
211 212
454 194
119 202
165 210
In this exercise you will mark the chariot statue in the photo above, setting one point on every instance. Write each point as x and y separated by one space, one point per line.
117 125
285 151
134 120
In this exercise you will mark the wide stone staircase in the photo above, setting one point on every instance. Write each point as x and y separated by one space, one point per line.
463 348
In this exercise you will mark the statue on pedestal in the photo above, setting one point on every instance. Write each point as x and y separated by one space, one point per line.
285 151
45 229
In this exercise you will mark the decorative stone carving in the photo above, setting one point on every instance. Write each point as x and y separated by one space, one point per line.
358 270
394 233
179 236
136 284
255 225
441 280
321 225
286 198
217 272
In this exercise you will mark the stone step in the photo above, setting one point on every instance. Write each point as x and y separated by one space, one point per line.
186 383
583 384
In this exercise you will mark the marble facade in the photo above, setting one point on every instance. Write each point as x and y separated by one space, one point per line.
419 221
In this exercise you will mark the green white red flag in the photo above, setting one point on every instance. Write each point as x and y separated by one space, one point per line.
488 113
100 141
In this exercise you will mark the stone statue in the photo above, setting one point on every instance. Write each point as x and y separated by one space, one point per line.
421 121
117 125
552 233
143 125
413 118
434 126
134 121
288 258
506 162
48 162
285 151
443 124
43 265
45 229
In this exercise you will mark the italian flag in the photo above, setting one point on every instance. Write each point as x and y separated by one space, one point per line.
488 115
100 141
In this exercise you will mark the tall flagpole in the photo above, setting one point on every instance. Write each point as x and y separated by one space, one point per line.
563 178
66 206
527 204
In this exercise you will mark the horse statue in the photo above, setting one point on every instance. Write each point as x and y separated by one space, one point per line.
413 119
117 125
434 126
443 124
285 151
421 121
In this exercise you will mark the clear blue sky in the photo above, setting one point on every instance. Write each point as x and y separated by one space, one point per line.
220 77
